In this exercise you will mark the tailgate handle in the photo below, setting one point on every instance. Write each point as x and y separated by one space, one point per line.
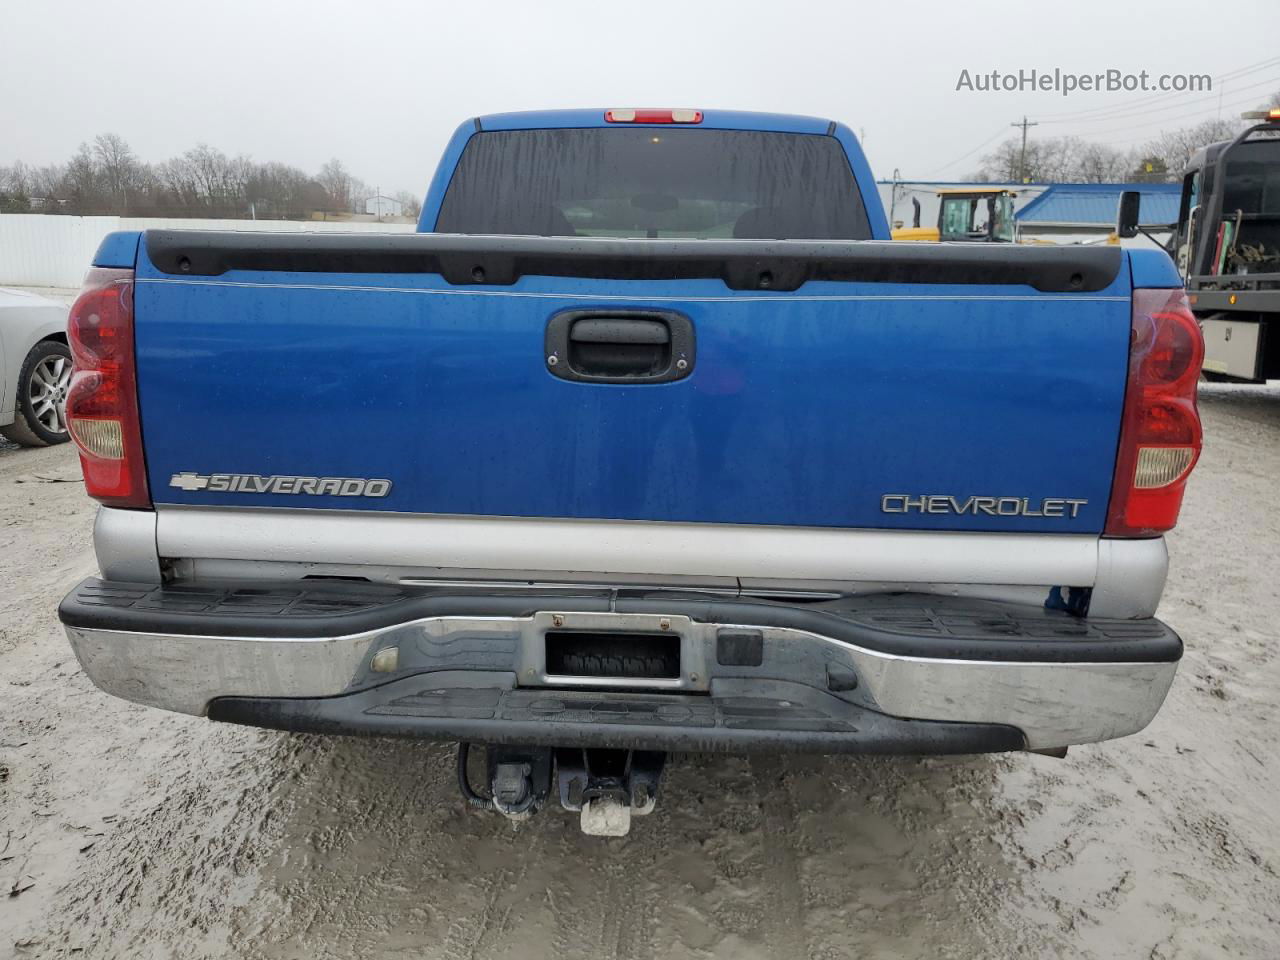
619 330
620 346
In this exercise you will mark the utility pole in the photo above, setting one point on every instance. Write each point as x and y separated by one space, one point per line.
1022 160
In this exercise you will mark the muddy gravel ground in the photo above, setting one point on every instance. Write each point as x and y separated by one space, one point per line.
127 832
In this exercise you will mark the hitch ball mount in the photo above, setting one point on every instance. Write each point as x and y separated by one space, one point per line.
606 788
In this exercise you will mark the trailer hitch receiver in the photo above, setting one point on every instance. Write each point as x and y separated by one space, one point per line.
608 787
604 787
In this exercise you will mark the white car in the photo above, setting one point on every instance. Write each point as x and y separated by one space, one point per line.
35 369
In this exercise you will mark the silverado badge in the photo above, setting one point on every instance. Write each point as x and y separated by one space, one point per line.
254 483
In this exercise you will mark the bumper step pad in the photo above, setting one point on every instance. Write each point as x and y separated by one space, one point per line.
899 624
785 716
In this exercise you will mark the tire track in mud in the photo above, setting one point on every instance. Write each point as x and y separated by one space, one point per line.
784 925
612 919
635 935
584 925
476 936
467 933
616 918
609 910
557 904
627 931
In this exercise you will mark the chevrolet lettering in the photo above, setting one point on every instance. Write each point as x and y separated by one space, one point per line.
991 506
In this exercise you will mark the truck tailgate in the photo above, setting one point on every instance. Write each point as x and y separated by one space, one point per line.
910 405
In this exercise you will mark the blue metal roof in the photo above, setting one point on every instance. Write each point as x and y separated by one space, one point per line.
992 185
711 119
1095 203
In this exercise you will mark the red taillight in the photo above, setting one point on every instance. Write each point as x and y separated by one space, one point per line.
653 116
102 404
1160 433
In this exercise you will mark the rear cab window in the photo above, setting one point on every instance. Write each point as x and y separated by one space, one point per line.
655 182
1251 196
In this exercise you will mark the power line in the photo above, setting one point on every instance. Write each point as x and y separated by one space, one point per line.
1202 115
1249 68
1216 97
1155 97
964 156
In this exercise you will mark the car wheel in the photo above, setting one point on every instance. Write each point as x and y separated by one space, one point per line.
42 397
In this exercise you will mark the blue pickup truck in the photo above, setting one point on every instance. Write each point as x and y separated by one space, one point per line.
647 440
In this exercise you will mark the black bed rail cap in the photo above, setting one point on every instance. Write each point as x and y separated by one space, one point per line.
780 265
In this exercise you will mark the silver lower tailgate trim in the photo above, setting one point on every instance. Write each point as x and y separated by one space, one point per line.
1127 576
625 546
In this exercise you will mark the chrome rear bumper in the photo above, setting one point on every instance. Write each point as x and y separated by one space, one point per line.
1055 679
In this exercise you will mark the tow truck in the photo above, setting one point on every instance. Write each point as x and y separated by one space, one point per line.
1227 248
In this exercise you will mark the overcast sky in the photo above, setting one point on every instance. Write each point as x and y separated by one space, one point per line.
382 83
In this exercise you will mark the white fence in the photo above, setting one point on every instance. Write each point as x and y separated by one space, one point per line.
54 251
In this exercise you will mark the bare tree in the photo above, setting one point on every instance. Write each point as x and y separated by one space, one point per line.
205 178
1001 165
15 189
84 194
1175 147
337 184
16 179
1099 163
218 178
48 182
279 190
105 176
409 203
359 192
1073 160
118 170
1046 160
178 178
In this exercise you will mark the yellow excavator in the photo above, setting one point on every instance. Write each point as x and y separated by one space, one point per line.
967 215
